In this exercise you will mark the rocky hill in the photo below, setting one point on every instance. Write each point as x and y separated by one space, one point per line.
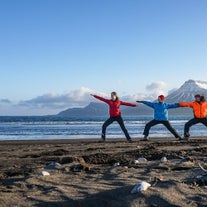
185 93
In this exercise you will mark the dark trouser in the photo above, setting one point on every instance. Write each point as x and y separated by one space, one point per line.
193 122
110 121
165 123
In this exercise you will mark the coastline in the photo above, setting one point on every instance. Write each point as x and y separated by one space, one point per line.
92 173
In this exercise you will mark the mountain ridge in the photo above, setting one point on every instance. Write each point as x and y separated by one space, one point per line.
185 93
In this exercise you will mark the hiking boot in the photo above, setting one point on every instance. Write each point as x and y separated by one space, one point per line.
186 138
145 138
129 140
179 137
103 138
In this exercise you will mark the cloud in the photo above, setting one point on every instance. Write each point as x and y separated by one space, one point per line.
74 98
5 101
157 88
52 103
137 97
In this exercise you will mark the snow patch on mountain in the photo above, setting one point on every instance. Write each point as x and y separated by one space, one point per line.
187 91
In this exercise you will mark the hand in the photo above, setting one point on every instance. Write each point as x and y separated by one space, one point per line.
91 94
139 101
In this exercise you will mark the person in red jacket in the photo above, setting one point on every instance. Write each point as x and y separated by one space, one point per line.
115 113
199 107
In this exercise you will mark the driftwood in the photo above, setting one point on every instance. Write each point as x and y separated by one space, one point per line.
201 180
202 168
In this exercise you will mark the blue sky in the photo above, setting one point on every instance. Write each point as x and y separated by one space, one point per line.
54 53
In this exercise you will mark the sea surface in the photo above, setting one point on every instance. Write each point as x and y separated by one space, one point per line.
55 127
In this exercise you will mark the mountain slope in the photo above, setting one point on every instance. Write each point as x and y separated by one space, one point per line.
93 109
187 91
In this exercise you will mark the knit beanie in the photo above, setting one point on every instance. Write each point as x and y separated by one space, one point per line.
162 97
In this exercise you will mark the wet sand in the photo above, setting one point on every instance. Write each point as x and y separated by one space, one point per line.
95 174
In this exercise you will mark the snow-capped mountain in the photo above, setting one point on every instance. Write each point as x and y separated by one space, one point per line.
187 91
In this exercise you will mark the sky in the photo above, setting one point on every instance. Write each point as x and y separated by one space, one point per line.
55 53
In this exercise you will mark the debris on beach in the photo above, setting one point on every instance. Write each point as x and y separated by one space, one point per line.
164 159
201 179
142 186
53 165
45 173
116 164
140 160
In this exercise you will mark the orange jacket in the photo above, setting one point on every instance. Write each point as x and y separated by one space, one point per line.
199 109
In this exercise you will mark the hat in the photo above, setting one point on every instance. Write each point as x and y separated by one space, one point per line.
162 97
197 96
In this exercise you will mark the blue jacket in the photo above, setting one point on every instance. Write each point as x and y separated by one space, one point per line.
160 109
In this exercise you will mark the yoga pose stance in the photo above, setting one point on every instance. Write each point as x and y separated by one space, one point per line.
115 113
199 107
160 116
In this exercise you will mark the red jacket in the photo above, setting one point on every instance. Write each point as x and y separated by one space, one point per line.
114 109
199 109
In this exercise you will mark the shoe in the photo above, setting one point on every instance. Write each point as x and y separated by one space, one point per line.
186 134
145 138
185 138
179 138
129 140
103 139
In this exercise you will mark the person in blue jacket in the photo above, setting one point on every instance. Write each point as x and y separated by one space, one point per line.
160 116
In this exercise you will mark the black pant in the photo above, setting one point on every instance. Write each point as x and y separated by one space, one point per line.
110 121
193 122
165 123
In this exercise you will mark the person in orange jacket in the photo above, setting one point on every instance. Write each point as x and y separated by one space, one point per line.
115 113
199 107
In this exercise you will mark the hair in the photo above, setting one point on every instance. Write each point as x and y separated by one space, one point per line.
197 95
115 94
202 98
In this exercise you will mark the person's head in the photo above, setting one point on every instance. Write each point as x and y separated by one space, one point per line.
202 99
161 98
114 96
197 97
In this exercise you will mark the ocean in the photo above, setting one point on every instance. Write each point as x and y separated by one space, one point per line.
55 127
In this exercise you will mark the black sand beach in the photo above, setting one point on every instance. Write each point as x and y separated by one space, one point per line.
94 174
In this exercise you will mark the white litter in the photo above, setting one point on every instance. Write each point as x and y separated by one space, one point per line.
45 173
164 159
116 164
142 186
140 160
54 164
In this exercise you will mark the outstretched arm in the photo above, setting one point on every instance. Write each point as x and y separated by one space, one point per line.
150 104
100 98
170 106
128 104
185 104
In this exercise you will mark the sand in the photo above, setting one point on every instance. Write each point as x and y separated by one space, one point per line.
95 174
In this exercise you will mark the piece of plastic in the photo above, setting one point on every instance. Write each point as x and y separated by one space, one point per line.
142 186
164 159
52 165
140 160
45 173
